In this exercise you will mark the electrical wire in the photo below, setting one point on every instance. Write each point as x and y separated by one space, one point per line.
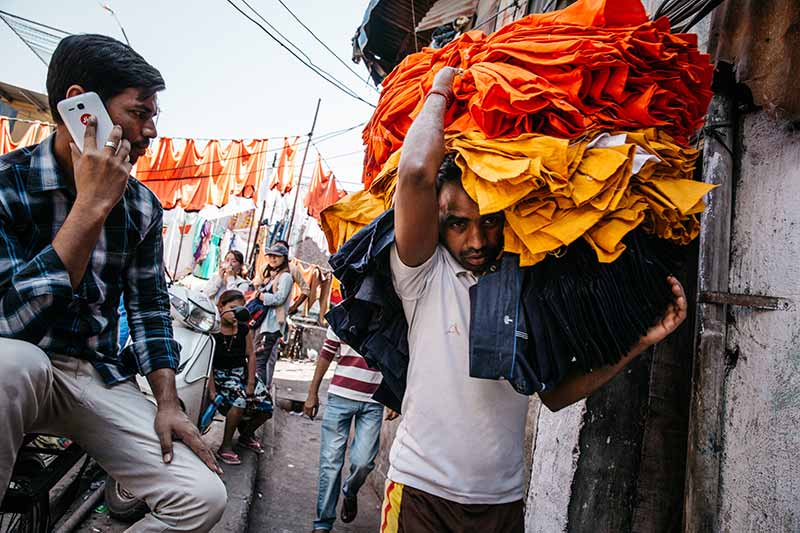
42 43
329 136
27 121
342 85
57 30
323 137
339 59
307 63
327 77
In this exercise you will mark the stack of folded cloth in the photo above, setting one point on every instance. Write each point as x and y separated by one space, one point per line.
576 125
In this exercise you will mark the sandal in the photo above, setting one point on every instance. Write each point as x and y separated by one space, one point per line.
251 443
229 458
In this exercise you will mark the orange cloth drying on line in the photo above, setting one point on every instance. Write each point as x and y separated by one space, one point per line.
283 175
192 178
596 65
36 133
322 192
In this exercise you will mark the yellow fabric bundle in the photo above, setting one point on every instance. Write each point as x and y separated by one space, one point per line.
554 191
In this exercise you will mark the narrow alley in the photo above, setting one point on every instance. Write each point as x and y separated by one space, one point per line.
287 474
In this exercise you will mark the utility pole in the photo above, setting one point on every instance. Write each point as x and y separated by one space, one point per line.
249 256
300 177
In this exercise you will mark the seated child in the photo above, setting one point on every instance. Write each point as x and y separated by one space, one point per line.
246 401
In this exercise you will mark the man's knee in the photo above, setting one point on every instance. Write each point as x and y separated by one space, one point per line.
211 496
362 470
192 505
23 363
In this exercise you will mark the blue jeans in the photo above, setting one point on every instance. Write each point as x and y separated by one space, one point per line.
339 413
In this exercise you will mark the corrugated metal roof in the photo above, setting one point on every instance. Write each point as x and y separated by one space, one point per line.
444 11
386 34
13 93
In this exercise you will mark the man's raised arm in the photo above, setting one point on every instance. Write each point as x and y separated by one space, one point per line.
416 208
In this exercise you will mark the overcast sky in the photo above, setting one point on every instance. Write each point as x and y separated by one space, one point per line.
225 77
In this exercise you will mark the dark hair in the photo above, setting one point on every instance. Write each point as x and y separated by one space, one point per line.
448 171
281 241
237 254
284 267
101 64
230 296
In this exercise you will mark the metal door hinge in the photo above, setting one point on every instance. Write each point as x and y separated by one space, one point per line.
755 301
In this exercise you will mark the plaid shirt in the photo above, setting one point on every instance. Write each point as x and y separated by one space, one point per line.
37 303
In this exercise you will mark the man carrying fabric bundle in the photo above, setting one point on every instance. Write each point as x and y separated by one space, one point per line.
457 460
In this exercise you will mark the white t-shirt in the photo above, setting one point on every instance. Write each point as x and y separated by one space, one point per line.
460 438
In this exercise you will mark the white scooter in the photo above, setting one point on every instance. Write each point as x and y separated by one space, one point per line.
194 321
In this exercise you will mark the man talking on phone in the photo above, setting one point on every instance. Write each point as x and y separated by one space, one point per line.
76 233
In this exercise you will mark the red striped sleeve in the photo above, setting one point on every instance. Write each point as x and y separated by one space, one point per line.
329 349
355 362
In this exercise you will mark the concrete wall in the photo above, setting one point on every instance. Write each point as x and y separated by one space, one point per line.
760 471
555 459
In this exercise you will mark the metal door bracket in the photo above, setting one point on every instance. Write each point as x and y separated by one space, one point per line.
755 301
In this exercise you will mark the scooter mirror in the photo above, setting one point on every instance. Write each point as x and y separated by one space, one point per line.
241 313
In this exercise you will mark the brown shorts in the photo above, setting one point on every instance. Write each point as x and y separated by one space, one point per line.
408 510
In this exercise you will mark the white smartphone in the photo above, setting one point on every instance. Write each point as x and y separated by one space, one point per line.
76 110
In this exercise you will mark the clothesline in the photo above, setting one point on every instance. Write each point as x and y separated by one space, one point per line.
306 263
27 121
320 138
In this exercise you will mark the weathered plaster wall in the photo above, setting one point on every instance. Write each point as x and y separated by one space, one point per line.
760 471
555 459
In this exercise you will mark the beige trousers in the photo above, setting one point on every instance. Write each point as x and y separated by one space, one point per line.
66 397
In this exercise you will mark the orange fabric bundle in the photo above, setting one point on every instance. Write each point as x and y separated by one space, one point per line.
554 192
192 178
283 176
596 65
322 192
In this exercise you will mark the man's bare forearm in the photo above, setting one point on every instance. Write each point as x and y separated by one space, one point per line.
423 149
416 208
162 383
319 374
579 385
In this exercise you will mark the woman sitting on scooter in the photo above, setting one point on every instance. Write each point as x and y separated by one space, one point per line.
235 379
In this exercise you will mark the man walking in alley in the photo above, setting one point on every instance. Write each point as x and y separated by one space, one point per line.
457 461
76 232
349 402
